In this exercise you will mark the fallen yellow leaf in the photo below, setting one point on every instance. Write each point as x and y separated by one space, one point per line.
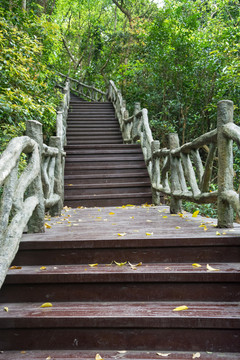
195 214
111 213
196 265
23 352
210 268
164 217
180 308
120 264
218 233
162 354
134 267
147 233
130 205
122 234
43 268
47 226
70 184
5 308
15 267
178 227
93 265
98 357
196 355
45 305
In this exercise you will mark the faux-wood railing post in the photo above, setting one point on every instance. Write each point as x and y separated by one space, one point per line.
36 222
135 134
56 209
175 204
155 146
225 163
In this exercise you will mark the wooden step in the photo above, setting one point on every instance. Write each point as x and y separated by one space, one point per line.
117 354
109 199
105 178
141 325
110 282
109 188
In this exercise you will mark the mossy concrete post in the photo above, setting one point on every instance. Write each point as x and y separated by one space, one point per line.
36 222
225 163
56 209
175 204
155 146
135 134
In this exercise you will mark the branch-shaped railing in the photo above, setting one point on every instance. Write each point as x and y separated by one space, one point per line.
180 172
25 198
89 92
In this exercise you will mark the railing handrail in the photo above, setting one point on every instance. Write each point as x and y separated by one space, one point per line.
189 179
91 93
39 187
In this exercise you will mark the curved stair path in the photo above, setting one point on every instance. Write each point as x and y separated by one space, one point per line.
100 170
114 276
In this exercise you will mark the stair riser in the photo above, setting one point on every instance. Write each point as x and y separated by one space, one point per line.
70 191
103 181
126 291
108 202
91 171
91 142
96 167
76 163
221 254
101 152
113 338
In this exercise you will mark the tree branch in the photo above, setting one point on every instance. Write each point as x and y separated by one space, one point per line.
123 10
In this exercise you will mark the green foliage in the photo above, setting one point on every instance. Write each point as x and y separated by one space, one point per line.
207 210
27 87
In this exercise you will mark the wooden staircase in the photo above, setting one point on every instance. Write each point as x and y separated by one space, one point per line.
118 310
112 276
100 170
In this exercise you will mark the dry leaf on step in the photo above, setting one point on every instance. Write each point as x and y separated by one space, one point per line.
45 305
196 265
120 264
180 308
162 354
196 355
122 234
210 268
195 214
98 357
134 267
93 265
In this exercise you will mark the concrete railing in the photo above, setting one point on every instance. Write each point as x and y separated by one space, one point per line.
40 186
180 171
88 92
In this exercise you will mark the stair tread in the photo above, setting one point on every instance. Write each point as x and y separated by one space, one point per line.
107 185
123 314
107 196
113 355
149 272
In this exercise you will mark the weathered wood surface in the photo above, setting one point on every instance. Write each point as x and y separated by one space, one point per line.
134 221
115 355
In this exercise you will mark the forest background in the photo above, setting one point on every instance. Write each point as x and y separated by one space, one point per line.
178 60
